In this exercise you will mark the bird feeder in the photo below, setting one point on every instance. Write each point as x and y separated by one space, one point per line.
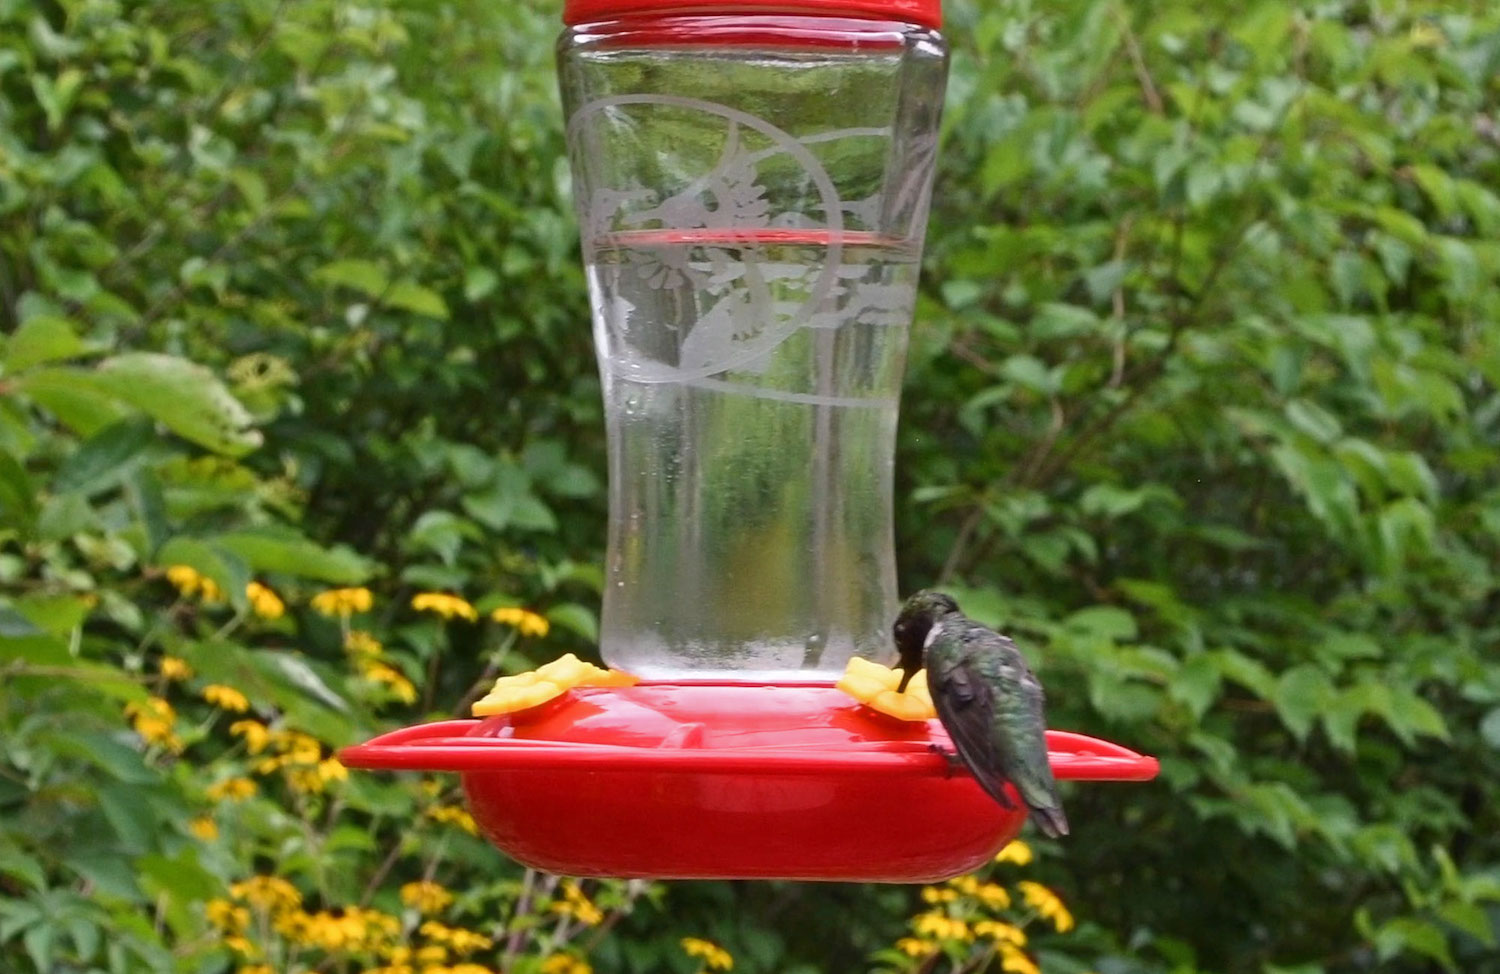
752 186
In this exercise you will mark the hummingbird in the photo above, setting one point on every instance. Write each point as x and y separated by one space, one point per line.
987 699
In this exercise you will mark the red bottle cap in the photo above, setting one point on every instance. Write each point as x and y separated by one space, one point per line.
927 13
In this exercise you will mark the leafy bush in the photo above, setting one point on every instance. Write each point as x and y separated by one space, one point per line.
1202 405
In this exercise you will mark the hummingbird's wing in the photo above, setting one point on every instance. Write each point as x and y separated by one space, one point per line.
965 704
992 705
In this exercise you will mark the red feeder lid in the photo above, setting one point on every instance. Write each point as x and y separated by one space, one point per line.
928 13
717 781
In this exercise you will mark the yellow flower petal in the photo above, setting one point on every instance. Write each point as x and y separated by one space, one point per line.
875 686
531 689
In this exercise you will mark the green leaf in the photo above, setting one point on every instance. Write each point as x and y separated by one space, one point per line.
1247 672
57 614
479 283
530 514
1196 684
1409 714
42 339
20 866
361 275
1407 934
132 813
185 397
37 649
105 458
1029 372
577 618
1104 622
414 297
227 569
180 876
1300 695
1438 186
289 553
1471 918
18 505
76 397
1489 728
103 751
150 505
293 670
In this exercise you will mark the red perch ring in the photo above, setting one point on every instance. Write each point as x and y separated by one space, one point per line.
727 781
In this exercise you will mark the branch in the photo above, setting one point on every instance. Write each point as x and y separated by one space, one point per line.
1137 61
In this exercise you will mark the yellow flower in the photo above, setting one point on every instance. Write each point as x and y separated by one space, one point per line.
241 946
1047 904
941 926
912 947
174 669
264 602
582 968
453 815
184 578
209 591
226 698
189 581
426 896
1013 959
432 954
226 916
1001 931
154 720
1017 852
875 686
993 896
352 929
714 957
361 643
331 769
255 733
536 687
467 941
256 969
967 885
342 602
304 781
390 678
232 789
566 964
435 931
933 895
447 606
204 828
298 747
524 621
267 893
576 904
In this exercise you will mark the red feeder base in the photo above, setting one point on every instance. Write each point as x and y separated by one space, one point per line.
722 781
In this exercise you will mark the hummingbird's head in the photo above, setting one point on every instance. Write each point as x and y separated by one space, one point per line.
916 620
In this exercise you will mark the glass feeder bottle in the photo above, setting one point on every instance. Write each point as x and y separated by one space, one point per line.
752 186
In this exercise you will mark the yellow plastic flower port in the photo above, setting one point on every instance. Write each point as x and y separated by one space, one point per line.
875 686
526 690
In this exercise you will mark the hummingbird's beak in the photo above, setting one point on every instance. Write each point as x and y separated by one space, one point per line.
906 676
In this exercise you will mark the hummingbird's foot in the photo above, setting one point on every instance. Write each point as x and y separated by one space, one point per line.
954 761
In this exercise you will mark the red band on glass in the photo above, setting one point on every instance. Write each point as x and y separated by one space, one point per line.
927 13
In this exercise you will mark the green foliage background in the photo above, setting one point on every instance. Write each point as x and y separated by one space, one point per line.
1204 405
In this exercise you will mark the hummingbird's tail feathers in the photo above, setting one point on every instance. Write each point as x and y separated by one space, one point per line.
1050 820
